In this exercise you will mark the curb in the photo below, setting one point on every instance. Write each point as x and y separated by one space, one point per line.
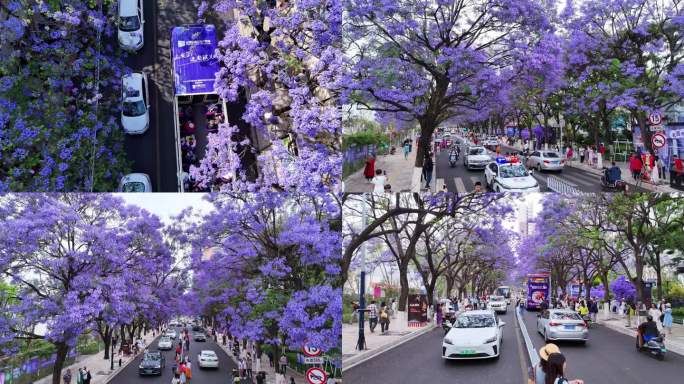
532 353
225 349
356 360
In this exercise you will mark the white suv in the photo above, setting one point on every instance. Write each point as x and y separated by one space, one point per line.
130 24
135 114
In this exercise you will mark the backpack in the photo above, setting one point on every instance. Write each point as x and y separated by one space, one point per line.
383 314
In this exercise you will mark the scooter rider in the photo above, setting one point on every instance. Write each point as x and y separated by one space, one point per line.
613 174
647 330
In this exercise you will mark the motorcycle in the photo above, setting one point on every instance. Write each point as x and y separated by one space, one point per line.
654 346
587 320
453 157
617 185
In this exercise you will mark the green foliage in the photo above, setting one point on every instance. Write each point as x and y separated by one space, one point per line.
675 293
367 137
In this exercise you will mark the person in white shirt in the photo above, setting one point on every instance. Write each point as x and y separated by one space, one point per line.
379 181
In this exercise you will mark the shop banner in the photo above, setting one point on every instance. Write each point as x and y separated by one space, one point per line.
417 308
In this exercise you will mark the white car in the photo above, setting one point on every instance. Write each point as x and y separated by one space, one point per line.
505 176
546 161
476 157
491 141
130 24
474 335
172 334
207 359
135 107
165 343
497 304
136 182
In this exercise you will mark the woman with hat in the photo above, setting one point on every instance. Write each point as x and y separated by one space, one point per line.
556 367
541 368
549 357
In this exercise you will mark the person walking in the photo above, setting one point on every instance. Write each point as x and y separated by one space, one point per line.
569 154
67 376
283 364
248 365
667 318
438 314
79 376
369 170
407 149
188 370
384 318
176 379
593 310
655 313
428 166
86 376
379 181
372 315
635 166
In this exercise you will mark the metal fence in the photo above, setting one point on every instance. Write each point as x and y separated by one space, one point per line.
559 185
355 157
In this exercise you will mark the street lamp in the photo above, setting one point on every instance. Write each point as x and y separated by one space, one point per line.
361 343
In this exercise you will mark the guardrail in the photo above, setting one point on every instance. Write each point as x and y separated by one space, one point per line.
534 357
559 185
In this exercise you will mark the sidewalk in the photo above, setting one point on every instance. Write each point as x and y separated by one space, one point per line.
264 366
624 169
401 174
376 343
99 367
673 343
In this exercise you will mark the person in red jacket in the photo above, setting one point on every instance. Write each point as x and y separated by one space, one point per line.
635 166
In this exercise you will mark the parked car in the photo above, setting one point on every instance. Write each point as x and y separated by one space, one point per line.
546 161
130 24
152 364
562 324
207 359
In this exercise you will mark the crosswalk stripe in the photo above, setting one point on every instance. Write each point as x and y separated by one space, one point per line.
440 185
460 187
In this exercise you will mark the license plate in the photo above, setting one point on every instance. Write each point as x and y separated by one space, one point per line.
467 352
569 326
554 162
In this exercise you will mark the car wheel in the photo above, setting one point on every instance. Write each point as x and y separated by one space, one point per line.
583 342
539 168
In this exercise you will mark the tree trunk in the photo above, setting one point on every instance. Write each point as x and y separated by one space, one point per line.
425 141
60 358
606 288
449 286
107 339
404 287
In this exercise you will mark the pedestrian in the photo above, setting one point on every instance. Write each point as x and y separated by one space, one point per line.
635 166
542 367
283 364
379 181
569 154
86 376
438 314
667 318
176 379
67 376
269 354
660 165
478 187
623 308
292 380
428 165
593 310
583 153
394 308
183 378
556 368
384 318
407 149
369 170
372 315
188 370
248 364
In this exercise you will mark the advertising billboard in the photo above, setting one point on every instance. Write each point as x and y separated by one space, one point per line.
194 60
417 308
538 289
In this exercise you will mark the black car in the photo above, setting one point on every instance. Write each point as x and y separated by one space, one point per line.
151 364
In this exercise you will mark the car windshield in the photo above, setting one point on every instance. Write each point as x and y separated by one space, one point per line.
476 151
133 108
129 23
475 321
208 354
165 339
496 298
552 155
136 187
565 316
152 356
513 171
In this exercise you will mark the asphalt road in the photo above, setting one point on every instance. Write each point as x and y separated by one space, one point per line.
610 357
459 179
154 152
419 361
201 376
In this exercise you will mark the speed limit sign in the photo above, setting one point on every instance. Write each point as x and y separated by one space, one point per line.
316 375
311 351
655 118
658 140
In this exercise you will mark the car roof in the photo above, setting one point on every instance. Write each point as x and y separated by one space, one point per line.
207 352
561 310
128 7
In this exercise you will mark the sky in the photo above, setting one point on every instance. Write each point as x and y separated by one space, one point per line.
167 205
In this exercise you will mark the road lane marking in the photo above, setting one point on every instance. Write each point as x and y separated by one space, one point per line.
440 185
156 99
460 187
521 351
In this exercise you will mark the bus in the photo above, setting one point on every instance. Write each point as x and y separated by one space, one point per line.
504 291
538 289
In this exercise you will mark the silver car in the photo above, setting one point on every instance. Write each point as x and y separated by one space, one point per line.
562 324
546 161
